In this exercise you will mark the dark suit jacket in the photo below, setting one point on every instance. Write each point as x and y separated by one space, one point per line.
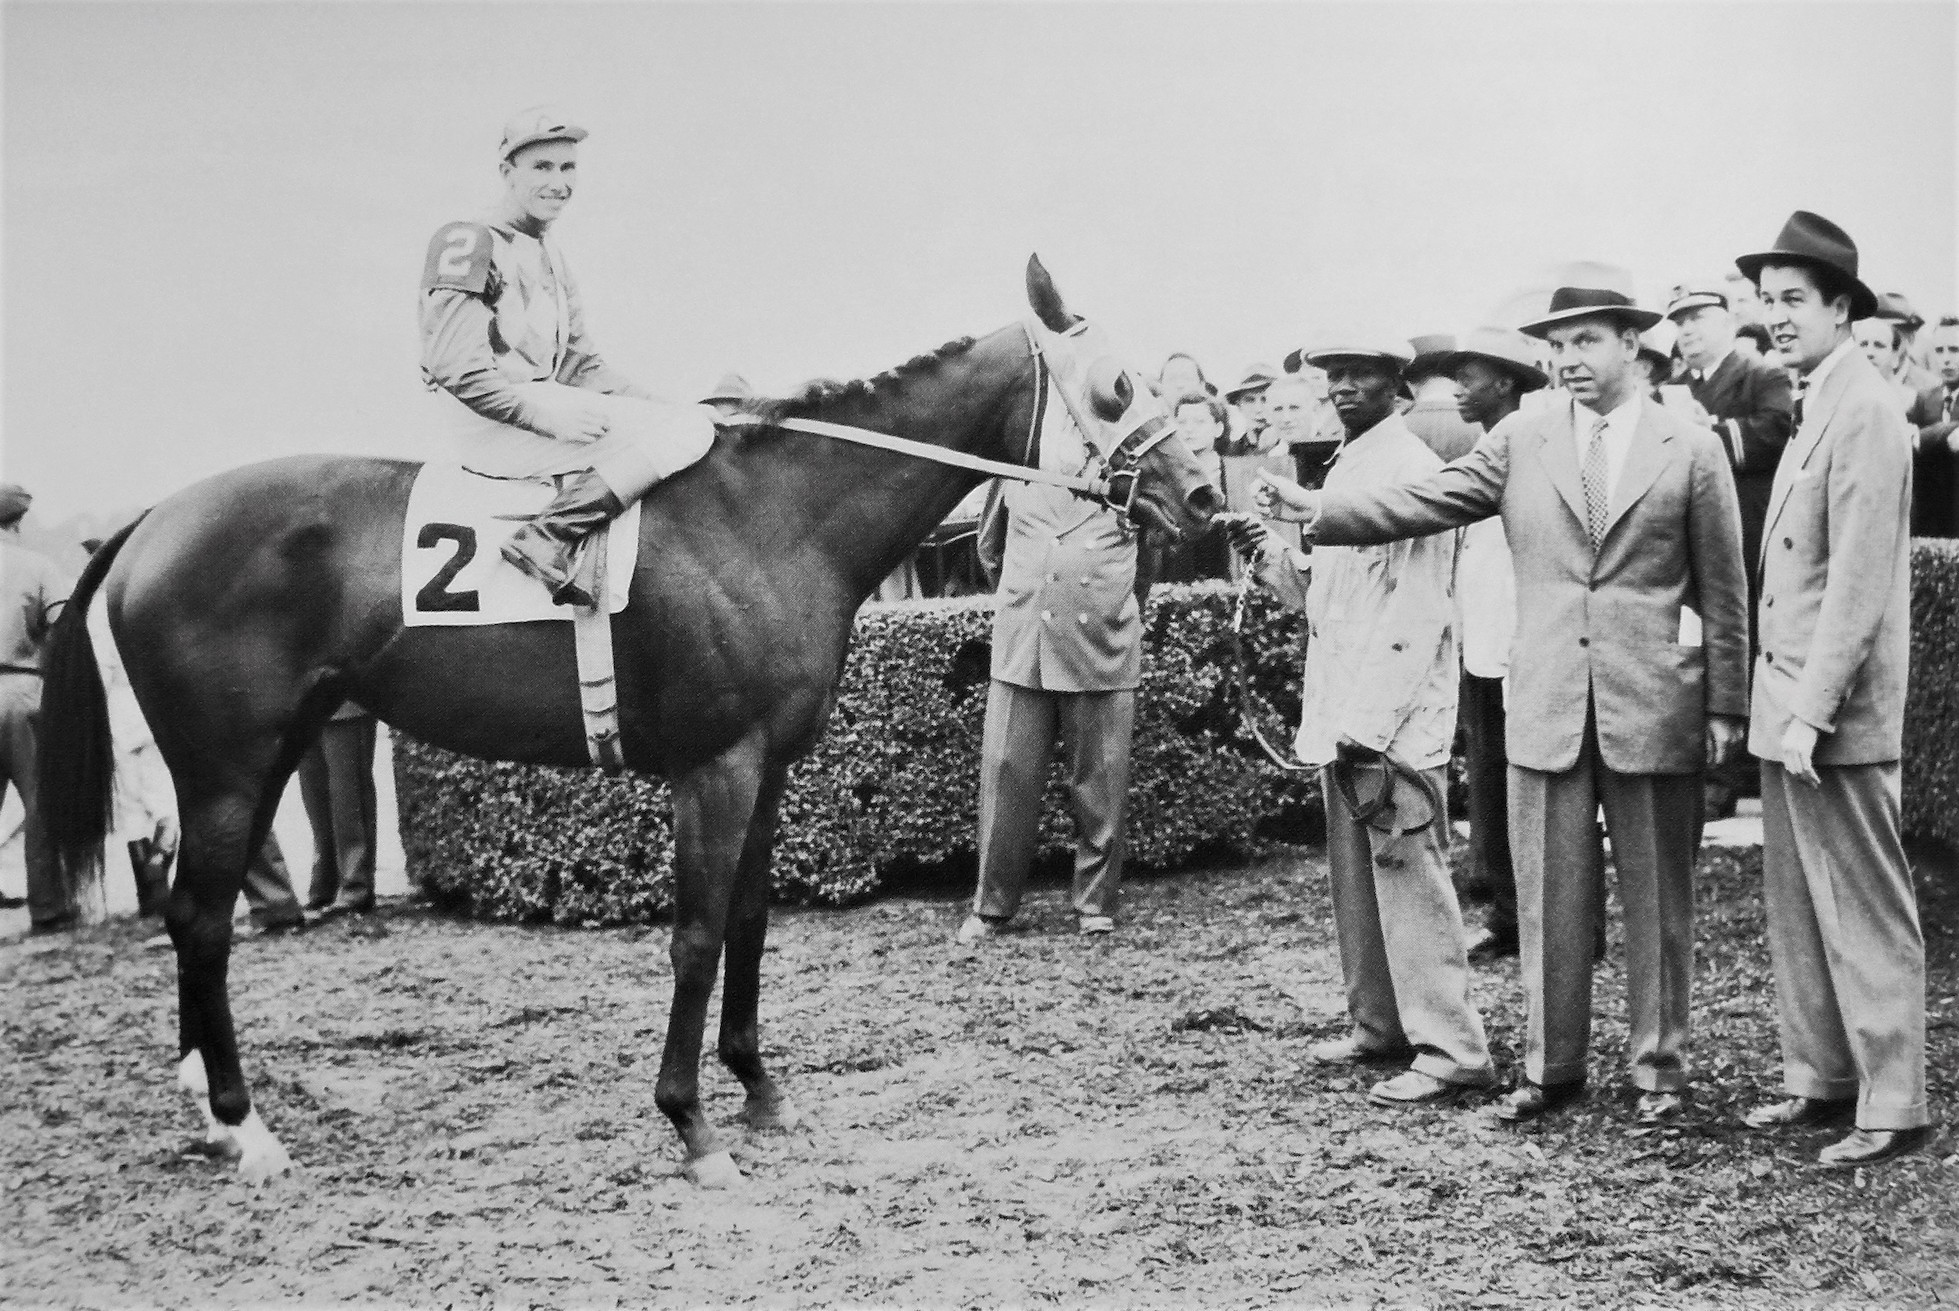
1934 486
1595 630
1754 403
1836 575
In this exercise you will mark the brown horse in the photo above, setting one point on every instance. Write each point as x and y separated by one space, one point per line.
249 606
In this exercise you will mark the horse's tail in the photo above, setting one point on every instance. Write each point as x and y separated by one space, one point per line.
77 757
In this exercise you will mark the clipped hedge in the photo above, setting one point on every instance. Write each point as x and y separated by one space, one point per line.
894 782
1931 766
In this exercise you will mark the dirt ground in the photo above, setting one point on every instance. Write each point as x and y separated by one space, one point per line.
1049 1120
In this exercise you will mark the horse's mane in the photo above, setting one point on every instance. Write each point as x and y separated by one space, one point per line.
821 392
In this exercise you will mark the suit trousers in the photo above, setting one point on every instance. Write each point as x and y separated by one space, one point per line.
1653 820
1844 936
268 887
1402 951
1022 727
50 893
1489 798
336 781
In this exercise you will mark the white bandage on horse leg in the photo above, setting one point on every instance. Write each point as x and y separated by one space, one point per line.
192 1079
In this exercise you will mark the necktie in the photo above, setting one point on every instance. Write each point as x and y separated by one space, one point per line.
1951 404
1802 387
1597 495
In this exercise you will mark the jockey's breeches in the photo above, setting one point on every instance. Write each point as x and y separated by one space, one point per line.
645 441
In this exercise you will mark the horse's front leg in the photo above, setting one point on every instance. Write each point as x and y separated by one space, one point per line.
741 990
713 805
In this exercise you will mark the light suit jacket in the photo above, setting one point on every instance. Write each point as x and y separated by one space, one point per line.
1836 575
1596 629
1066 617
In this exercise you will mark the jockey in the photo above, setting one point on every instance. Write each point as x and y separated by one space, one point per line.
503 331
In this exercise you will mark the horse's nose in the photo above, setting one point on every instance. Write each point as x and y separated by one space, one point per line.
1204 501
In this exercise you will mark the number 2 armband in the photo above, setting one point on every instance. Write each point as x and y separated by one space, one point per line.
459 257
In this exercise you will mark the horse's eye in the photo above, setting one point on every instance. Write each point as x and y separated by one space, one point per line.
1109 391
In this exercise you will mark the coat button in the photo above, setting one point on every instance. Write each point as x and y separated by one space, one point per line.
1081 618
1084 580
1584 641
1788 544
1768 603
1046 615
1054 578
1769 656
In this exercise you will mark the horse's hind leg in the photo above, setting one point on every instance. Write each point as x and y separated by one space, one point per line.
217 837
712 807
748 927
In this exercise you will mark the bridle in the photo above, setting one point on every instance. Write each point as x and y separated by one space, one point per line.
1110 479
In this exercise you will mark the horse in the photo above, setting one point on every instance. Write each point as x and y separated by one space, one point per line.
249 606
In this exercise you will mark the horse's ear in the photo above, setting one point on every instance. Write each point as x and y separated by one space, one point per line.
1045 300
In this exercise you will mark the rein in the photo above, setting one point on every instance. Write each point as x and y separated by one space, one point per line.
1123 462
1369 811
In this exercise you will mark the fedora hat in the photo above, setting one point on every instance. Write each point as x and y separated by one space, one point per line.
1507 349
1429 351
732 387
1694 296
1325 357
1813 240
1257 378
527 127
1588 289
1892 305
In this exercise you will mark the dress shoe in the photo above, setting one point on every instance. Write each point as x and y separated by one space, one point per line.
1492 944
1659 1107
1414 1088
1869 1146
1089 925
1800 1111
1529 1101
1350 1050
272 929
978 928
56 923
337 908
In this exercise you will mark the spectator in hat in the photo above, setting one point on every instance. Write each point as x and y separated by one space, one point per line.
1378 709
1434 416
33 590
1883 345
1935 464
1494 368
1247 398
1618 514
1201 426
1656 360
336 784
1827 719
1746 401
730 396
1896 310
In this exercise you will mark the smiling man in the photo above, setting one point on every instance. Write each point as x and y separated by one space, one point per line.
1828 718
1620 515
503 332
1378 711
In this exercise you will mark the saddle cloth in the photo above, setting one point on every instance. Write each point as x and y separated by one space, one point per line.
452 569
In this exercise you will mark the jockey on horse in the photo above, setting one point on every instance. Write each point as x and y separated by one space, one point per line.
503 332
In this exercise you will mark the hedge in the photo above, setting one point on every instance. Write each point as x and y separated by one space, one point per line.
893 784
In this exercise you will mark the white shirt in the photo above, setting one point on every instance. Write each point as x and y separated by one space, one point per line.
1807 383
1619 428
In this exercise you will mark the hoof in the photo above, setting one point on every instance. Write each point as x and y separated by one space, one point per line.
715 1170
261 1155
778 1114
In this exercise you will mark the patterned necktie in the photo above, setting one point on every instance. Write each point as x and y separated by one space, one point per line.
1597 495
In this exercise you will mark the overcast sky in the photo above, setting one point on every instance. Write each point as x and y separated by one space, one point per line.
215 215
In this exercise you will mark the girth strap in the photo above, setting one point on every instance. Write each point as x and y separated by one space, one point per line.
598 688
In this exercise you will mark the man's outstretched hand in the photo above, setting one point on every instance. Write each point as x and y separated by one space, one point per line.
1283 499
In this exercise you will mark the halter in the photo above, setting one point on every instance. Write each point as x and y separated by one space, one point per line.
1098 480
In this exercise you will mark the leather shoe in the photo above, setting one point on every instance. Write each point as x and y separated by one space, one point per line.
1659 1107
1351 1051
275 929
1414 1088
1492 944
333 909
1869 1146
1799 1111
1529 1101
56 924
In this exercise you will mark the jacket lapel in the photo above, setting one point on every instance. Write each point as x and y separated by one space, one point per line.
1651 445
1817 412
1559 451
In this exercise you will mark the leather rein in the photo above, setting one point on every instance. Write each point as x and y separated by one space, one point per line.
1124 462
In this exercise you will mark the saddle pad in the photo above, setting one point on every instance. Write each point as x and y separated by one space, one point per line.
453 573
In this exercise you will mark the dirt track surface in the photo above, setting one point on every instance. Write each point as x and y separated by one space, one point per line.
1045 1121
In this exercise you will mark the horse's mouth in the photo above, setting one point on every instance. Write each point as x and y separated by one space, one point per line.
1152 516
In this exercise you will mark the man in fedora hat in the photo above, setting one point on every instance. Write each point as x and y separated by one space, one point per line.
1620 515
1378 709
1247 400
1896 310
1746 400
1432 414
503 332
1828 718
1494 369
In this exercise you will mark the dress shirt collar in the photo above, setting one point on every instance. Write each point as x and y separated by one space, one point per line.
1620 425
1715 367
1814 378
